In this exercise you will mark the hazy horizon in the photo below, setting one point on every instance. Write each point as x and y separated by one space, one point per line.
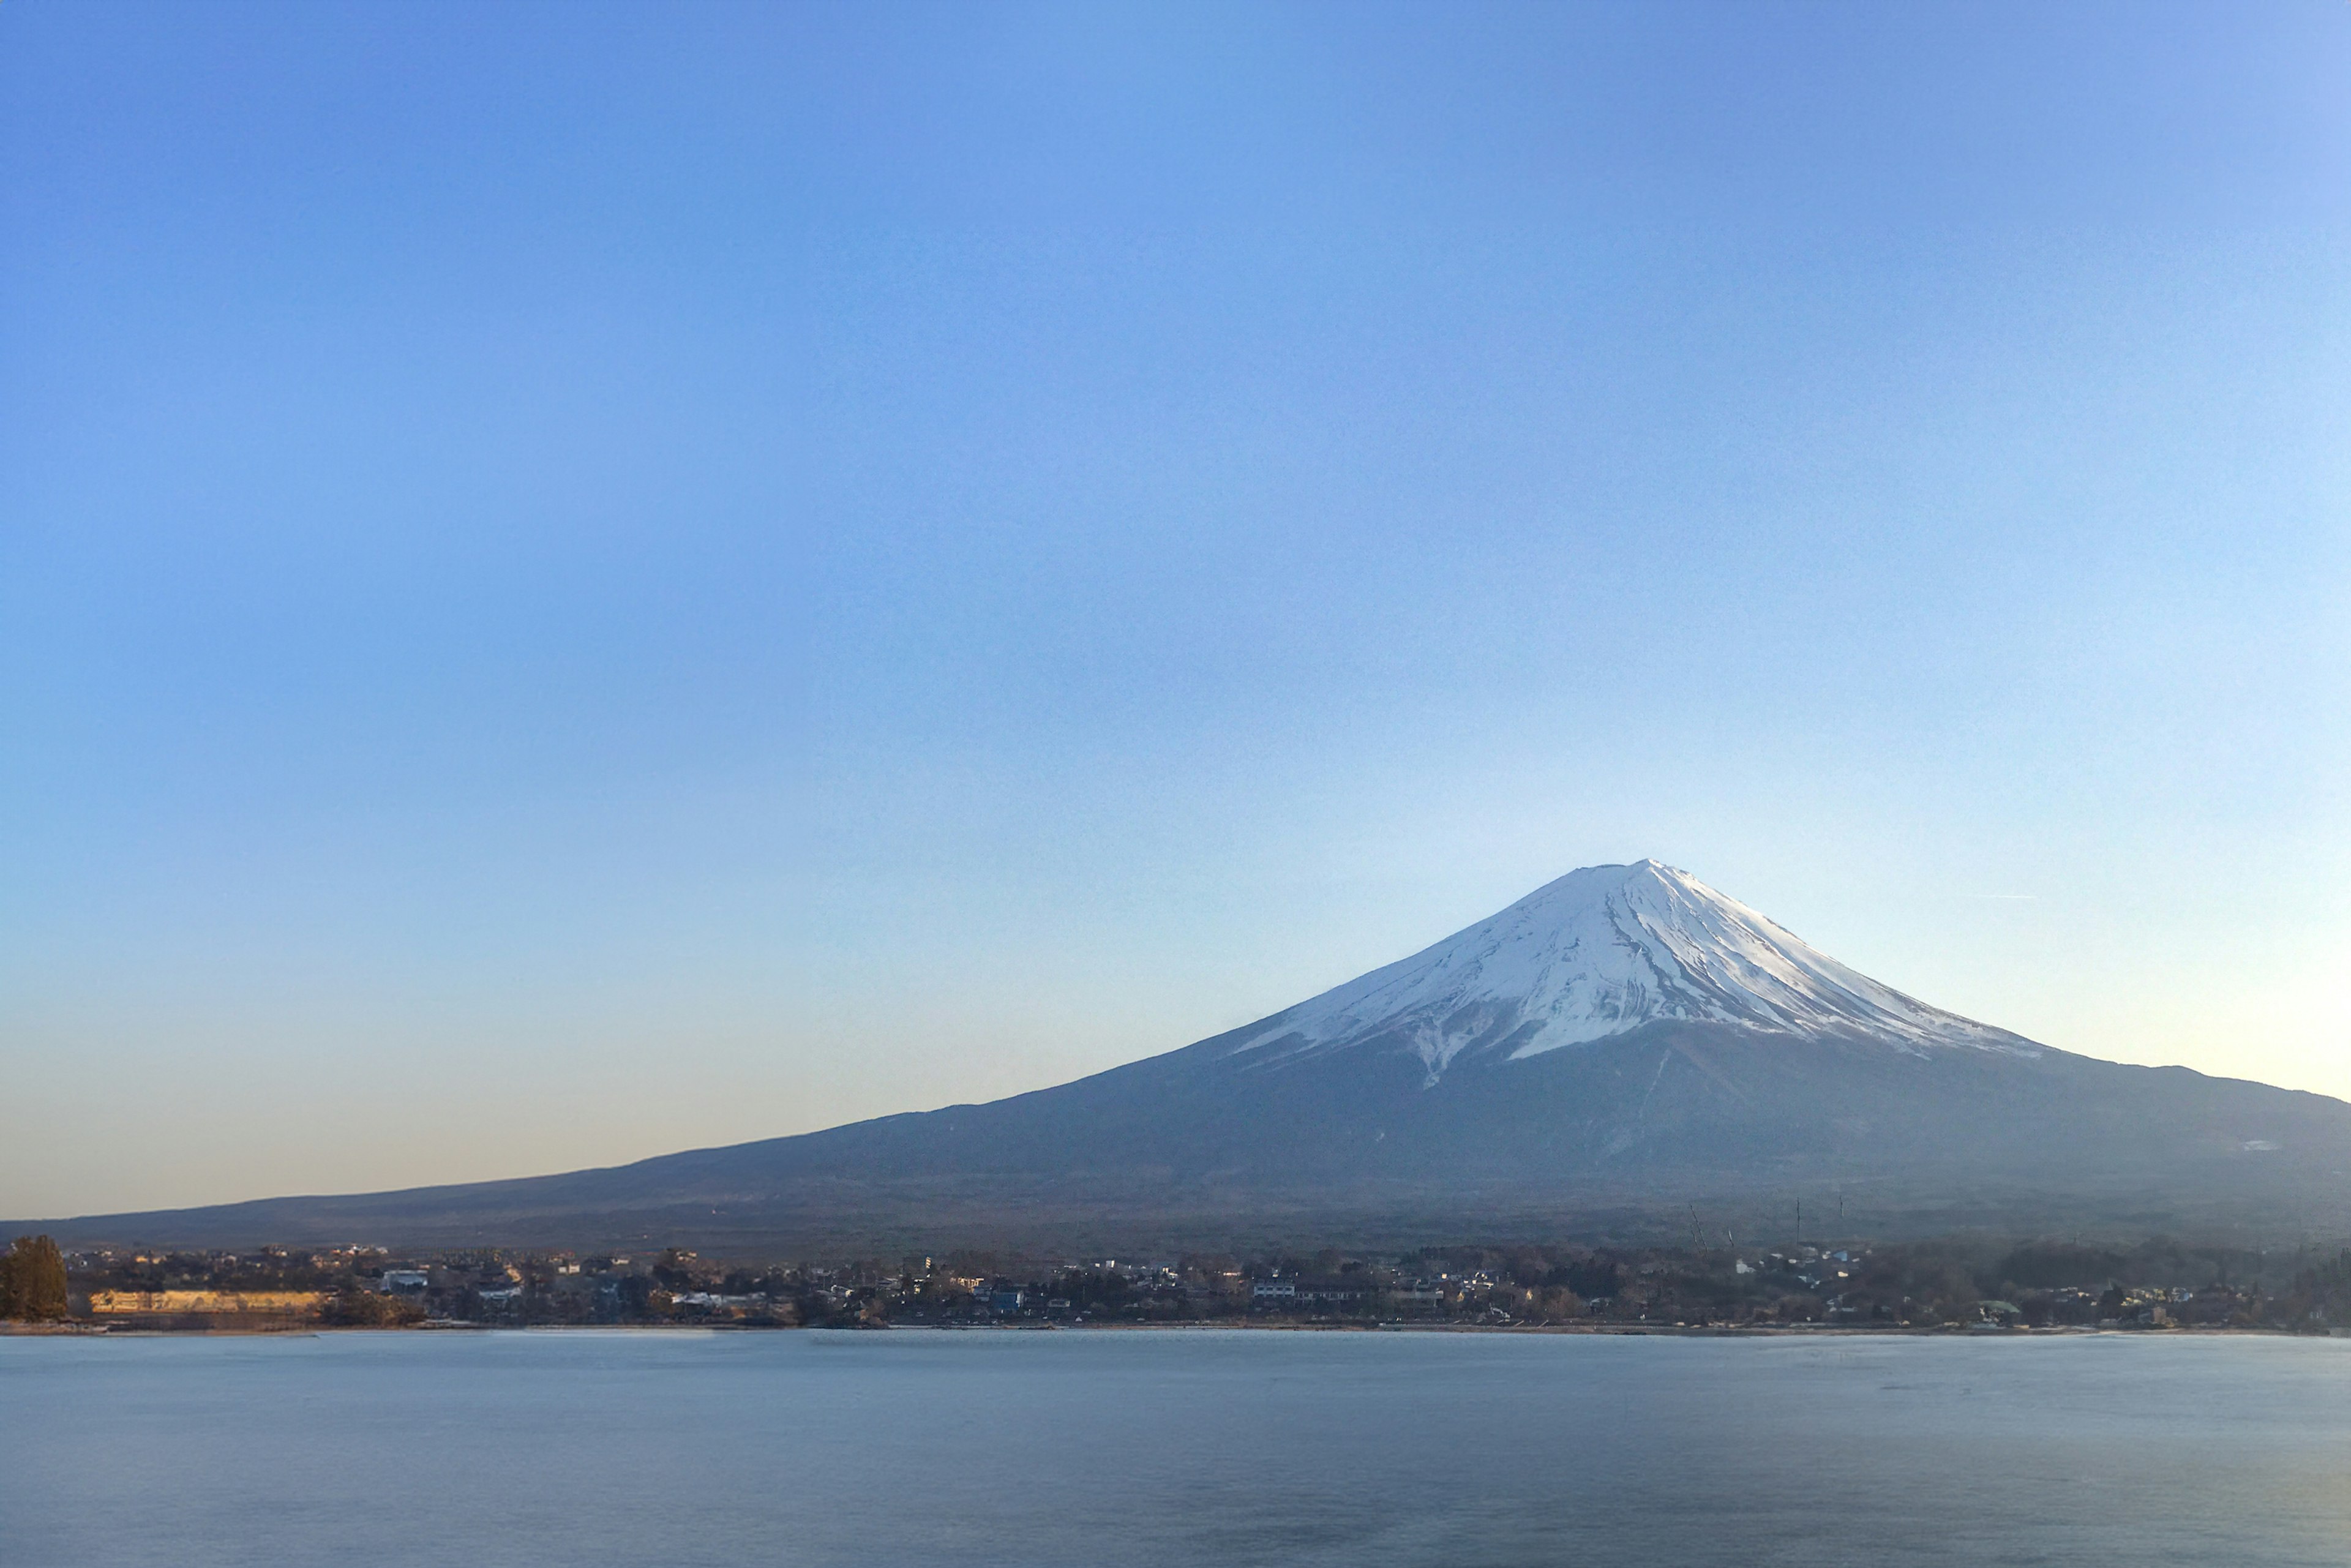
583 582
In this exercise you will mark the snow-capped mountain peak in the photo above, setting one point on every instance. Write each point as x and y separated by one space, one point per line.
1599 952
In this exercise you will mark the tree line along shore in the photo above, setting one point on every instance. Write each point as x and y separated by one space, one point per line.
1973 1284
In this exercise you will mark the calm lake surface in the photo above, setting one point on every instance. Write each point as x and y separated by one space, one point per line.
1171 1448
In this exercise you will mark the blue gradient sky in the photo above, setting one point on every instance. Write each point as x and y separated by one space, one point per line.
576 582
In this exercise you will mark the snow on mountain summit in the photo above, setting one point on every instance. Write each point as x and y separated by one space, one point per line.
1599 952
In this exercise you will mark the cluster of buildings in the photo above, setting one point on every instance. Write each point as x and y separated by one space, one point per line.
1928 1285
270 1287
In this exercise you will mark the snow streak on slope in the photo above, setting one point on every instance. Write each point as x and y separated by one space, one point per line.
1599 952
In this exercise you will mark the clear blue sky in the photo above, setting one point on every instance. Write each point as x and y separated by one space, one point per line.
576 581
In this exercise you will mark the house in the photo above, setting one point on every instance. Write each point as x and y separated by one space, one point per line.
713 1299
125 1304
1331 1292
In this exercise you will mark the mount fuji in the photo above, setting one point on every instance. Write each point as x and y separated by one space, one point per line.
1617 1050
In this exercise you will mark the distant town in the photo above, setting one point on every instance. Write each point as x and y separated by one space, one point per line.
1953 1285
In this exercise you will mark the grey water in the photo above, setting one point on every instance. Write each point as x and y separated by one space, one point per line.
1165 1448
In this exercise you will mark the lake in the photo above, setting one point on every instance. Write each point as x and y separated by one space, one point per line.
1165 1447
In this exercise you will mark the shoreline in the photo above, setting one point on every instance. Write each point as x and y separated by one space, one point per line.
1634 1330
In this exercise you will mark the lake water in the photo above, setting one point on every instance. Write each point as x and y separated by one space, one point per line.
1169 1447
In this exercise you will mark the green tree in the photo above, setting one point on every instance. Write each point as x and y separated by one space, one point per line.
33 1281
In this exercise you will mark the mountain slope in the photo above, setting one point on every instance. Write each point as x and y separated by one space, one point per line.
1619 1046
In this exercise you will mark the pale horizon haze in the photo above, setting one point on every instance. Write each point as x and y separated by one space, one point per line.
583 580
